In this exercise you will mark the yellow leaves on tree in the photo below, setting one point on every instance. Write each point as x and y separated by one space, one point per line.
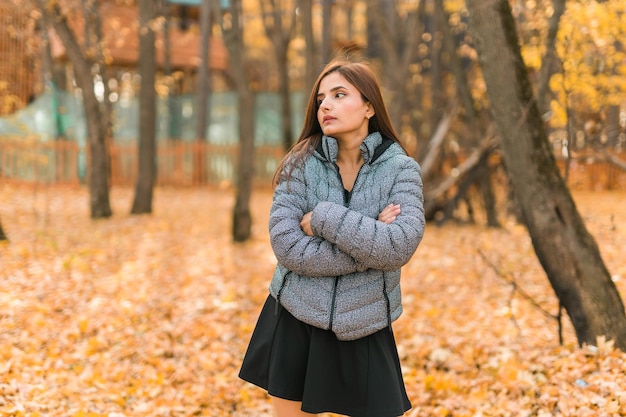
593 66
591 60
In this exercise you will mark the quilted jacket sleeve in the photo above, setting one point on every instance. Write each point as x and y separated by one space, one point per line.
305 255
375 244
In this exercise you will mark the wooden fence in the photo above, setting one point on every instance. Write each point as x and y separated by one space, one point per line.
594 175
33 161
191 164
178 163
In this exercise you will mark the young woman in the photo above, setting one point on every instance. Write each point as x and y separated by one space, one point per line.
347 214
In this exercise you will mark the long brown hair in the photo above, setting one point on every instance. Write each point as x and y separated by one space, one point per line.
361 76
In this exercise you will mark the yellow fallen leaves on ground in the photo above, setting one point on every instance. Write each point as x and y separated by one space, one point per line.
150 315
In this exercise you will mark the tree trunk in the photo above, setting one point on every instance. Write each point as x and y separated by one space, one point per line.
233 37
327 32
242 220
106 107
96 121
487 193
612 125
285 101
202 97
461 84
480 174
374 43
3 236
549 60
566 250
172 132
280 33
203 71
147 110
436 66
100 163
435 199
398 50
311 67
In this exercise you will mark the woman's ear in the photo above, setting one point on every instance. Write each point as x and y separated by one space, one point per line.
369 113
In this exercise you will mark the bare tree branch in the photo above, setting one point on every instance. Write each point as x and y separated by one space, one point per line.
434 144
516 287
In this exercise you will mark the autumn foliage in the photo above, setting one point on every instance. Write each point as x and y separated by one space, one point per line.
150 315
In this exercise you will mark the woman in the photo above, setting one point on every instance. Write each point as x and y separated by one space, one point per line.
347 214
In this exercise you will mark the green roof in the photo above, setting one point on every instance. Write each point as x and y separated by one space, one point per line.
187 2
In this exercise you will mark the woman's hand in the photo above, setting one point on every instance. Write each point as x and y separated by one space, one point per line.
305 224
389 213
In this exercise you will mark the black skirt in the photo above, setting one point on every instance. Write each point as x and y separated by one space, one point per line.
295 361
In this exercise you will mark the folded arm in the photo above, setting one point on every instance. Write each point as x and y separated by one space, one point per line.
371 242
306 255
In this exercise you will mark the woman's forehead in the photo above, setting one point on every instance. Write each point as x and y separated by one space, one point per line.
333 81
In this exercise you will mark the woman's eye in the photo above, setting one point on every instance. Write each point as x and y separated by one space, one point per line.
340 95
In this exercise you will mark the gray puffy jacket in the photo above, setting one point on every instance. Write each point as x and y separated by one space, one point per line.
346 277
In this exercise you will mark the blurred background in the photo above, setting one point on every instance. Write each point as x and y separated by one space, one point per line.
205 52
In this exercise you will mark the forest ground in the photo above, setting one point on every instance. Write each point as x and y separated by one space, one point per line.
150 315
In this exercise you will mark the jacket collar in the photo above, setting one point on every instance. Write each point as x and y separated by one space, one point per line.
371 148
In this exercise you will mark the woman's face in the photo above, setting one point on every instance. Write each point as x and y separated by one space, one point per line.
342 113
